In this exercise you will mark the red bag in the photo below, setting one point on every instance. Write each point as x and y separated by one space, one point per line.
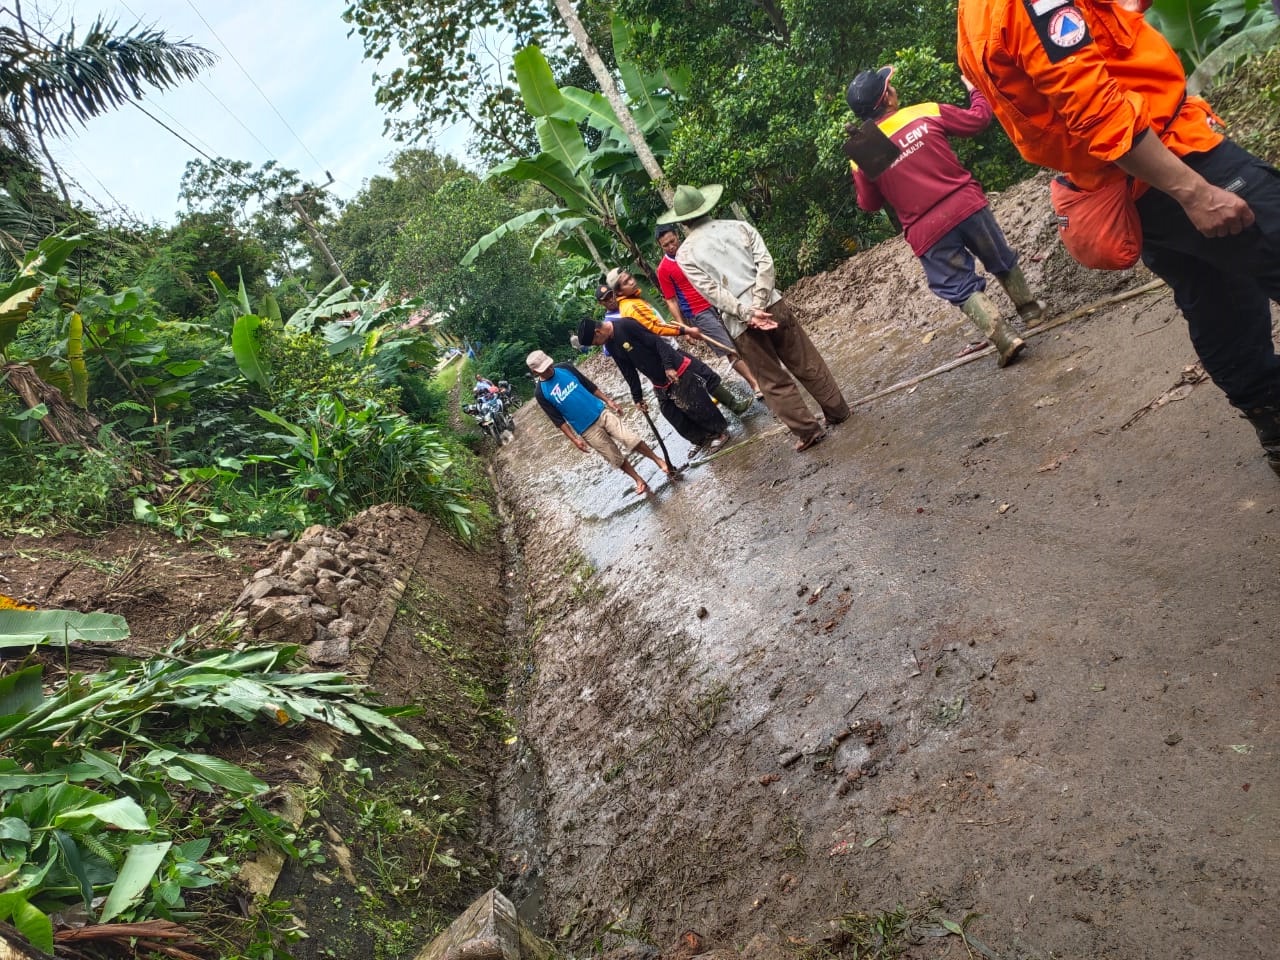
1100 228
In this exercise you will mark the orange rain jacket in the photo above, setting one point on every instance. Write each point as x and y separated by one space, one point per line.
1076 83
637 309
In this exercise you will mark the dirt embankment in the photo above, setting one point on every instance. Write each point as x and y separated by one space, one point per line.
389 848
1003 645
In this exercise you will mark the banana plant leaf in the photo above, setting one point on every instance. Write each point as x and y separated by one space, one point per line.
594 108
26 628
573 191
14 310
1196 27
21 691
557 230
241 296
542 98
561 139
514 225
140 865
244 347
1247 43
48 257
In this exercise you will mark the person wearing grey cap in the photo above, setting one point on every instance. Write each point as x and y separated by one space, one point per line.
944 211
588 417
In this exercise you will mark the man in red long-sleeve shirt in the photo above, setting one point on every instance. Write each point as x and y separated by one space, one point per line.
943 210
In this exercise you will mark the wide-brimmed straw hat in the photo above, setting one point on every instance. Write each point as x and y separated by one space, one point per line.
691 202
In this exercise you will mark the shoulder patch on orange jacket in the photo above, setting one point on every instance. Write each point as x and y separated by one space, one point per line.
1061 27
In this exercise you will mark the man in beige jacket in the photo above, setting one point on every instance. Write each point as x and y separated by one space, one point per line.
729 264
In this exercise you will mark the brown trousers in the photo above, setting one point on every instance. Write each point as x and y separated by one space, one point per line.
772 353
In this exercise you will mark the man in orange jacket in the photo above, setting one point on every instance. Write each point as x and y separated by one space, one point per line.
1089 88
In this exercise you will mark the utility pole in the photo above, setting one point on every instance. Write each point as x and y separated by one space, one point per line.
295 202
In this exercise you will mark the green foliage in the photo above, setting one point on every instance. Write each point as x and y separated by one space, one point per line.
337 460
595 186
1195 28
91 771
256 202
55 83
499 296
303 370
197 245
366 238
449 72
1250 102
921 76
49 487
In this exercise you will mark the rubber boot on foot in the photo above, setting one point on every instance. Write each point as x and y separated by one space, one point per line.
1030 310
731 400
985 315
1266 421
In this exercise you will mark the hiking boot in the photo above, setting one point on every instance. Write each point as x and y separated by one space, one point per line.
1266 421
986 317
1030 310
728 398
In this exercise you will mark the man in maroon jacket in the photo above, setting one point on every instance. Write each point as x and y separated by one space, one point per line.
943 210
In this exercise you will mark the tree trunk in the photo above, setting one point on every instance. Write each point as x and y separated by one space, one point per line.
64 423
69 426
595 254
612 94
777 18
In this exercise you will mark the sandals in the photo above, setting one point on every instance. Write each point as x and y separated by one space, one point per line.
718 442
813 441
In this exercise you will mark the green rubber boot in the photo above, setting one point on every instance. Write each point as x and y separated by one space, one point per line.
986 317
731 400
1030 310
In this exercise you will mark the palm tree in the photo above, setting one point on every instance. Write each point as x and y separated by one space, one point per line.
48 84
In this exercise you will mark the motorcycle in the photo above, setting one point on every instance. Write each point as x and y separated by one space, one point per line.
502 390
492 417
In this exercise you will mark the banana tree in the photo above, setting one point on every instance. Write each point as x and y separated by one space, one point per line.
1196 28
624 117
590 215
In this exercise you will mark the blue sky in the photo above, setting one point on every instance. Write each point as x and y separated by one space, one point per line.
296 51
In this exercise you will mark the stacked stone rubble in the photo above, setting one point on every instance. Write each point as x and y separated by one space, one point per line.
323 590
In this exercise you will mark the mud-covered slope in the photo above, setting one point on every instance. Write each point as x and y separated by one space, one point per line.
1000 644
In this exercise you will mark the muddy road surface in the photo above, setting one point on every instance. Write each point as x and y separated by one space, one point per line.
1003 644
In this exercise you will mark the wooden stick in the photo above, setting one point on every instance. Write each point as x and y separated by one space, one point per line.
987 350
950 365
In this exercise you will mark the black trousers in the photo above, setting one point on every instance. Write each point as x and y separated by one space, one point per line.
1224 286
688 406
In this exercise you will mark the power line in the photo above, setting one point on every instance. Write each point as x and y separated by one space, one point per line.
89 170
209 90
261 92
214 160
183 127
236 117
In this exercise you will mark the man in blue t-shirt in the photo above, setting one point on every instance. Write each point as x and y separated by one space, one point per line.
588 417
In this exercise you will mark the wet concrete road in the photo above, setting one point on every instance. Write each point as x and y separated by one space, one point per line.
984 647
